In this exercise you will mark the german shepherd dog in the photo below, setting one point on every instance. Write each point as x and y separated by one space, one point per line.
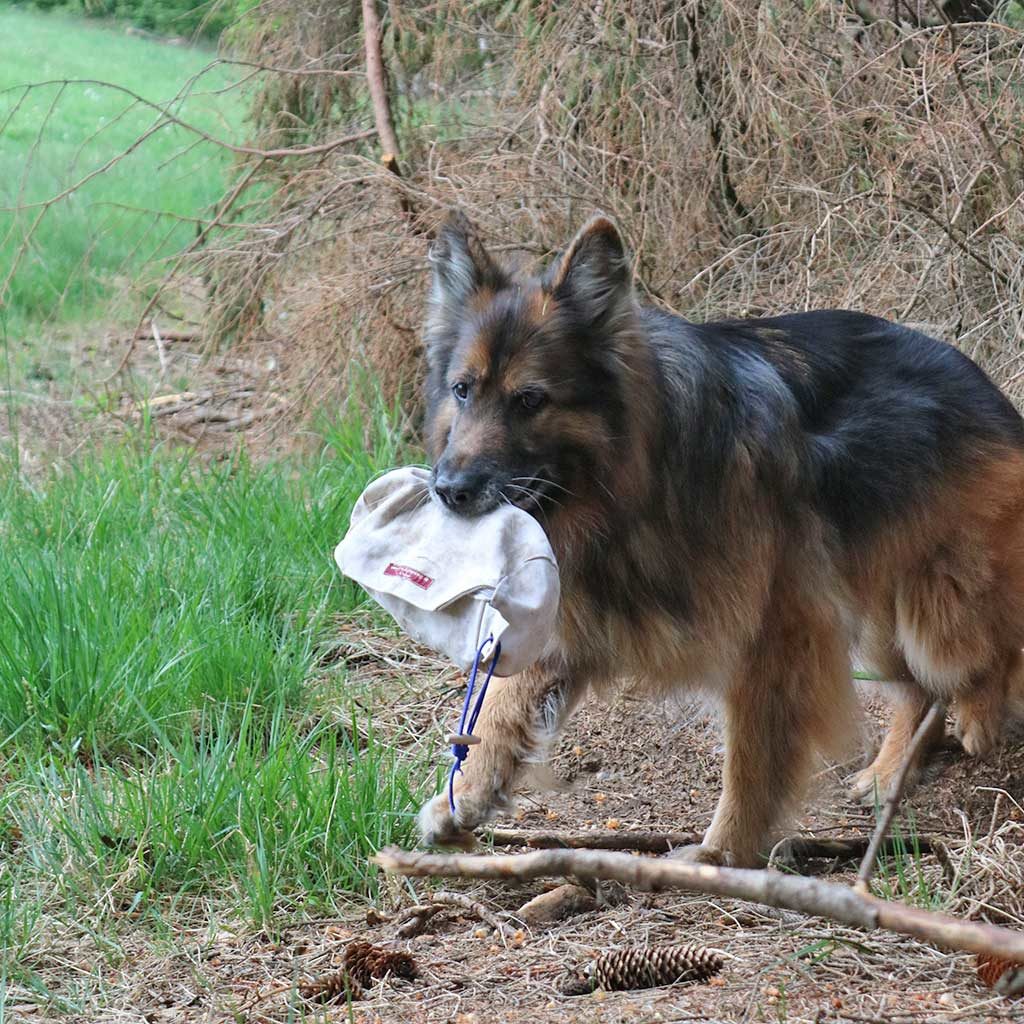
735 507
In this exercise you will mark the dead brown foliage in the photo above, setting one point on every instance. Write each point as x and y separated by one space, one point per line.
759 157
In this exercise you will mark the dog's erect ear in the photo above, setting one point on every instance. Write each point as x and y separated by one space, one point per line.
594 272
461 265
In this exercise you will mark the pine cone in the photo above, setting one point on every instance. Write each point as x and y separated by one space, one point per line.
643 967
1005 976
365 962
330 987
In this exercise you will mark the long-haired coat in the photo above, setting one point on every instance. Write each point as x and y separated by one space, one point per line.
734 506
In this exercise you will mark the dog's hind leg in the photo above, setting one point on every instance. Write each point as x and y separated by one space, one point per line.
520 717
794 700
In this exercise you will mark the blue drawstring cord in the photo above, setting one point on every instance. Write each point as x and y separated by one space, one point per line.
460 751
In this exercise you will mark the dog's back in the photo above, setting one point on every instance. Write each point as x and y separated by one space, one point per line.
875 420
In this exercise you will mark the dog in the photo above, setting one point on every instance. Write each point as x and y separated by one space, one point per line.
737 507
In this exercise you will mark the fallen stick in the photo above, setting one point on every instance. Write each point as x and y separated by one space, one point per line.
414 920
811 896
167 336
795 851
562 901
644 842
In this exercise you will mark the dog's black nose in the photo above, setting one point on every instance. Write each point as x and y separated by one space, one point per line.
460 490
453 494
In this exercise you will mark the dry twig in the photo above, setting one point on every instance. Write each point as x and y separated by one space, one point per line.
645 842
795 852
414 920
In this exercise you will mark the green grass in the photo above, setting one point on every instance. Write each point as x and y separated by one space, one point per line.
90 246
163 626
905 876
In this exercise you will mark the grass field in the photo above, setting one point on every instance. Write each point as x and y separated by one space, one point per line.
88 247
162 625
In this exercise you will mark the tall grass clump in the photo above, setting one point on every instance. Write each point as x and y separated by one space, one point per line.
135 584
160 617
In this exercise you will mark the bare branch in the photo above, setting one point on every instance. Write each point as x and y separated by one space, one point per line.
645 842
377 81
957 240
794 851
805 895
232 197
167 118
414 920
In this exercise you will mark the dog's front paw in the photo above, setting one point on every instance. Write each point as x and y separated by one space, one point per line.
867 788
439 828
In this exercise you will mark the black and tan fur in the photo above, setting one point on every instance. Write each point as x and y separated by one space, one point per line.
735 507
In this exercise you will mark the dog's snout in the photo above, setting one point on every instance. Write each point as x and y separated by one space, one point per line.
453 492
462 490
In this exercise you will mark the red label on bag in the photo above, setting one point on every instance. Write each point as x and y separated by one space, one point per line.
407 572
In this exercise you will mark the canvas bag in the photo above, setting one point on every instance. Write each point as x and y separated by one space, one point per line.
451 581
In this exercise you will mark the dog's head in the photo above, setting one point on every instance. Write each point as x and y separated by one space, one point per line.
525 396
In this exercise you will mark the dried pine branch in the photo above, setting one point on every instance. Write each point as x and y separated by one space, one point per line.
869 187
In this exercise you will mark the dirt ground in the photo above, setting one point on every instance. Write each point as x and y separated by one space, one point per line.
97 379
621 766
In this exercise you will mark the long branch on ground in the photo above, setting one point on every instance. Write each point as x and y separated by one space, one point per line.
792 892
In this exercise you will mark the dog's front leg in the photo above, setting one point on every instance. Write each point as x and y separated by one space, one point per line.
520 717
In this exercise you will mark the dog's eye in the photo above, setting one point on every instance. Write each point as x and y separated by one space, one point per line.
460 389
532 399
